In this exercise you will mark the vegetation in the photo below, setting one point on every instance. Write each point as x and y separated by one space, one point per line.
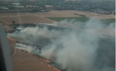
82 19
69 18
82 5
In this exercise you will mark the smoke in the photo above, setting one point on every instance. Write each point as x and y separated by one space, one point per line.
28 48
32 34
79 49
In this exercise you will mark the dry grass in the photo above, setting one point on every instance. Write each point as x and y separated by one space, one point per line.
25 19
26 62
41 16
68 13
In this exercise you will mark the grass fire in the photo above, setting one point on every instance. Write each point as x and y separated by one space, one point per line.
79 46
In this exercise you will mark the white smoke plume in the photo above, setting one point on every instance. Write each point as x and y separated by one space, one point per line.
76 50
30 49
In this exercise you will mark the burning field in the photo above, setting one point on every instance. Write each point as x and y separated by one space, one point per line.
76 47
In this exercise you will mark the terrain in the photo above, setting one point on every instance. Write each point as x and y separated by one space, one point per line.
23 61
42 17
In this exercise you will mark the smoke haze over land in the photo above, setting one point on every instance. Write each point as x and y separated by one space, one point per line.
78 49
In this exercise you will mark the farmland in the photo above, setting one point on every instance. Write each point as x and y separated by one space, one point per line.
81 19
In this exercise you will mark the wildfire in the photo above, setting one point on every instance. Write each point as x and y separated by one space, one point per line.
50 67
45 60
36 56
12 40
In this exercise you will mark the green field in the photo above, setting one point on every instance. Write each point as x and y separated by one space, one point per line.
69 18
81 19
